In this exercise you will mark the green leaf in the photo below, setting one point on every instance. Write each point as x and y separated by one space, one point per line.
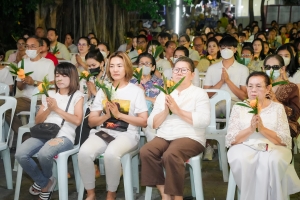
22 64
243 104
159 49
176 85
280 83
45 90
160 88
117 86
27 74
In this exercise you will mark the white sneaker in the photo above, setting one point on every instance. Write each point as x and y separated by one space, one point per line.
209 153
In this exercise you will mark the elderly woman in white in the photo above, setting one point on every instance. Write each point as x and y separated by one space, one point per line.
260 161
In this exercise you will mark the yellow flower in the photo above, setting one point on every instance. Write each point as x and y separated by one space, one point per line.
168 83
252 103
209 57
21 73
138 69
85 73
40 87
139 51
172 83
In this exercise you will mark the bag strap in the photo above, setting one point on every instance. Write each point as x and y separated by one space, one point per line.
63 121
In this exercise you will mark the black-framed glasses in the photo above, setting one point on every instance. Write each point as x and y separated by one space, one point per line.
274 67
183 70
146 64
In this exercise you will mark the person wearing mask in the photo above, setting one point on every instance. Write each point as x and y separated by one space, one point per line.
69 43
20 54
78 60
40 67
58 49
290 61
105 50
45 51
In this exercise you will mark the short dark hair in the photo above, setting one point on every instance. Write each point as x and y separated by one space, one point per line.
68 69
242 34
187 60
186 37
86 39
169 43
228 41
164 35
39 40
70 34
94 39
52 29
129 34
47 41
184 49
261 33
249 48
210 33
262 74
147 55
142 36
96 55
143 30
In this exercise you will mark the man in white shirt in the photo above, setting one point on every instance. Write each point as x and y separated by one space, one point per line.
227 75
154 28
126 47
58 49
142 43
40 67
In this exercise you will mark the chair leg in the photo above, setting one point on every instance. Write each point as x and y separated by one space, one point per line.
135 173
224 161
127 176
76 170
231 187
192 181
62 172
80 190
7 167
219 156
18 182
197 176
148 193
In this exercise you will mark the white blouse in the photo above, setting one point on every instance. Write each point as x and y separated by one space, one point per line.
273 118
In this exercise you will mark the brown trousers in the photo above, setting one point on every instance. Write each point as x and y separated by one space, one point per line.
171 155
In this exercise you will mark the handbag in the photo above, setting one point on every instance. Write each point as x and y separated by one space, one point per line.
48 131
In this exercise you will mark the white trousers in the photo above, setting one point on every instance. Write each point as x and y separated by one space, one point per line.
93 147
260 175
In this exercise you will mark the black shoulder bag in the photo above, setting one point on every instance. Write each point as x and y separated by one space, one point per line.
48 131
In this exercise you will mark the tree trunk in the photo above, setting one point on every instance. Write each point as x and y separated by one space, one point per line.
262 14
251 13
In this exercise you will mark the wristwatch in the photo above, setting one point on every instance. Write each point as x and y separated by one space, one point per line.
35 83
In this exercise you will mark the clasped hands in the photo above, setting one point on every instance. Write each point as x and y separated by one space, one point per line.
256 122
170 104
27 80
224 75
52 104
112 108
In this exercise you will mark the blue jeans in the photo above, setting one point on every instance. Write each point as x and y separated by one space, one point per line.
46 151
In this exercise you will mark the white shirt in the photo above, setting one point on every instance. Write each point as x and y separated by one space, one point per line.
41 68
74 61
162 65
296 78
122 47
131 101
237 73
194 55
63 51
133 55
68 129
194 100
6 77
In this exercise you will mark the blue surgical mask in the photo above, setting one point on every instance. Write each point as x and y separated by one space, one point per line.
247 61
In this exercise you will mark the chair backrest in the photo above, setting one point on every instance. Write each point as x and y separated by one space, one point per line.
33 106
4 89
62 61
7 54
10 104
219 95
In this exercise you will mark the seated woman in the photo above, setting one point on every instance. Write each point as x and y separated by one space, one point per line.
5 75
258 57
180 136
259 160
20 54
212 56
52 110
119 120
287 94
149 79
79 59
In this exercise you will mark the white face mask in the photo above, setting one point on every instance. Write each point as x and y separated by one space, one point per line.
174 60
146 70
32 53
286 61
104 54
226 53
276 74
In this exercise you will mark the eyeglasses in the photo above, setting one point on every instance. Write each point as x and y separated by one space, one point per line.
183 70
198 45
146 64
274 67
30 47
182 41
83 45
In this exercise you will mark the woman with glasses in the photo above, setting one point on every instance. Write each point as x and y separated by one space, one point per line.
260 145
212 56
286 94
78 60
180 136
19 55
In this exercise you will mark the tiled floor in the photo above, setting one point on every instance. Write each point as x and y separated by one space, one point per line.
213 185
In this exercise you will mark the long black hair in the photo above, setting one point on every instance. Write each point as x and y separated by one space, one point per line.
293 66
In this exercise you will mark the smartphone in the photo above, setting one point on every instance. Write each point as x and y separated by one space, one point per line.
104 136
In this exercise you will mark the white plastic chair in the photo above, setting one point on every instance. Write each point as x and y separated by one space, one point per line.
219 134
195 176
4 89
60 170
130 166
201 79
7 54
10 103
231 189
